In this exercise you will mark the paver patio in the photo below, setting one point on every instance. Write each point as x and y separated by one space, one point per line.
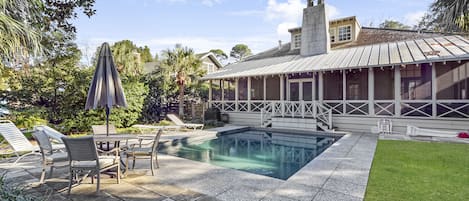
339 173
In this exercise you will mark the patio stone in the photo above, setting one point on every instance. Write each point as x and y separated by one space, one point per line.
345 187
243 193
327 195
187 195
295 191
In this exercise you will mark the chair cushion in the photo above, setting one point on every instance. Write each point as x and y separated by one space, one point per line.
57 157
139 151
104 161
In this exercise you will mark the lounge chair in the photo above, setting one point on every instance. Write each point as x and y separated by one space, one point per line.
52 133
145 152
50 158
18 142
416 131
178 122
84 158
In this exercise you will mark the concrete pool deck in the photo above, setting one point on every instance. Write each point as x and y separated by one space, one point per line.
339 173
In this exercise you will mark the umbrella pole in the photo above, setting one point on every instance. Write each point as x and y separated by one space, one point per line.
107 124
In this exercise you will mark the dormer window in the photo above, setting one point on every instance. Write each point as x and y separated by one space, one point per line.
296 41
345 33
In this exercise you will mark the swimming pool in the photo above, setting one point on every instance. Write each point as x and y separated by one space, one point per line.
269 153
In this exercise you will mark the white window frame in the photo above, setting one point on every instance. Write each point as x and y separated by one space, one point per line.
294 42
339 34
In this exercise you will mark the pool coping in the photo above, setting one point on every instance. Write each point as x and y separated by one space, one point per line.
341 171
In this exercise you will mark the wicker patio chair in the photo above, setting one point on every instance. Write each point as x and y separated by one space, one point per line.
50 158
145 151
83 157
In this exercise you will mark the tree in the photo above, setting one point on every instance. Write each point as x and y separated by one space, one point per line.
184 64
392 24
145 54
221 56
23 23
16 33
127 58
447 16
240 51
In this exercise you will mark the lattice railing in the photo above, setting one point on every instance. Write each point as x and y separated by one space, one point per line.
453 109
336 106
229 106
356 107
416 108
384 108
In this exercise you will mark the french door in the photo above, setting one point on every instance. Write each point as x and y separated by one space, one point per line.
300 90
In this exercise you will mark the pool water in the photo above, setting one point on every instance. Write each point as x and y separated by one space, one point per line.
272 154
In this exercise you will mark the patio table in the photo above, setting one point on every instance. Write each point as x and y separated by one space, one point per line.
117 138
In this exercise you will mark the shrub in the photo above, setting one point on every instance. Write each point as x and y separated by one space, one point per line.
10 192
28 118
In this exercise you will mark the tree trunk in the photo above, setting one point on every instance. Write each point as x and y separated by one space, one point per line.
181 100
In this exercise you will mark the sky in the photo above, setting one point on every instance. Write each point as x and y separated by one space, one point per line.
221 24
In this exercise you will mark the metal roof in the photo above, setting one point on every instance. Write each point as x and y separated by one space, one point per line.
426 50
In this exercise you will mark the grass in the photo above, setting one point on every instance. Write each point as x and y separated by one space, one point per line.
419 171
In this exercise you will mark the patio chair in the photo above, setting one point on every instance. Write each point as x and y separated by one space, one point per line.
50 132
145 152
18 142
49 156
179 122
83 157
101 130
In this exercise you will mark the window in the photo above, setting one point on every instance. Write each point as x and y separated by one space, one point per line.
229 89
333 86
257 88
216 90
452 81
332 33
296 41
273 88
345 33
384 83
357 85
243 89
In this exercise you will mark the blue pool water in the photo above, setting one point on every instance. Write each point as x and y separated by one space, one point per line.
272 154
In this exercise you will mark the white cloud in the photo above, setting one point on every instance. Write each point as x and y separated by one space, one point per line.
282 28
332 11
210 3
287 11
413 18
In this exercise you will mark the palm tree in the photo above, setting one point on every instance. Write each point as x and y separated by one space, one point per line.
452 12
183 63
17 36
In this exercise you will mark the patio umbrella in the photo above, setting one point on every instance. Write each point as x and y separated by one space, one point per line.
106 88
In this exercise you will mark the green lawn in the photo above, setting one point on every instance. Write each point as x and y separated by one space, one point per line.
419 171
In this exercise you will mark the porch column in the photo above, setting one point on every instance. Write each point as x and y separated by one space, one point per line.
210 92
236 94
314 87
222 86
344 92
321 87
265 87
371 92
282 88
397 90
249 94
434 89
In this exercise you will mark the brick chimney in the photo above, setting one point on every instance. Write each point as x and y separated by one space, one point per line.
315 30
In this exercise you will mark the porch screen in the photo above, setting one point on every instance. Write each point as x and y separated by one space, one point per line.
257 88
384 83
216 90
273 88
243 89
333 85
357 85
452 81
416 82
229 89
